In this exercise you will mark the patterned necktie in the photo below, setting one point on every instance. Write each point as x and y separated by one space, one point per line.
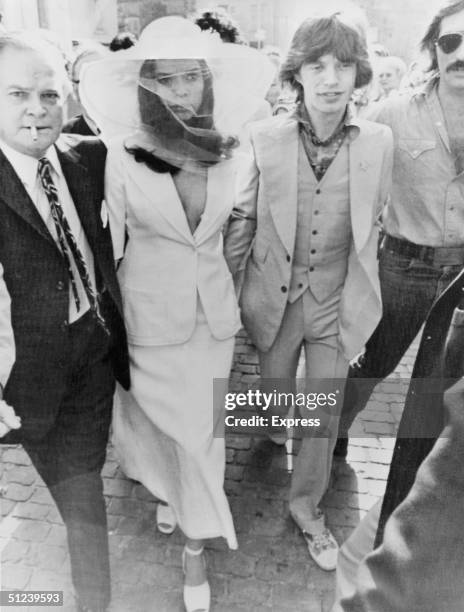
67 242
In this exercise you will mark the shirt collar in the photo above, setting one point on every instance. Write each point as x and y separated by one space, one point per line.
429 88
350 121
25 166
52 157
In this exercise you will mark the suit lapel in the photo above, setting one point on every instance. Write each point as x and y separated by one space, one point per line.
82 191
14 194
280 180
219 199
363 187
160 191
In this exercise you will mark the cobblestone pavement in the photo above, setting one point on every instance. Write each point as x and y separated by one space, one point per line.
271 571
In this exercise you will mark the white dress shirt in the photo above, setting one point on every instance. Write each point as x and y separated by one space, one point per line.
25 167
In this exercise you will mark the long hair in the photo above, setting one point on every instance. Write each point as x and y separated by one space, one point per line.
156 118
433 31
320 36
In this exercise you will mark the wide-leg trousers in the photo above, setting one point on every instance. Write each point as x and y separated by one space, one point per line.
312 326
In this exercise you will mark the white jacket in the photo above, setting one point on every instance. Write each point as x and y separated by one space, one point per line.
164 267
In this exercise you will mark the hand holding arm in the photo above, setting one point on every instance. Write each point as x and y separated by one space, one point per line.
8 419
242 223
115 196
7 344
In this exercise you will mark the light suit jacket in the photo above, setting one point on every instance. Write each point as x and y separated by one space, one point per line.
265 217
164 267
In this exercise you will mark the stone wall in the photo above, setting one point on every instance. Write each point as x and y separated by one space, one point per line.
245 368
134 15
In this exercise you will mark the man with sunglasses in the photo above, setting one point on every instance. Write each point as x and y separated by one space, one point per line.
422 249
407 554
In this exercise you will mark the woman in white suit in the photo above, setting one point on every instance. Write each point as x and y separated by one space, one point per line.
170 187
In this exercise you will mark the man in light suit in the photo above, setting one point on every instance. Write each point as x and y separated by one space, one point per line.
308 201
56 253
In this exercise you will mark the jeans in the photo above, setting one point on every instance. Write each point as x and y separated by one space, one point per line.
409 287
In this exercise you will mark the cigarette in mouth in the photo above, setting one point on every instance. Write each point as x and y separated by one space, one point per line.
33 132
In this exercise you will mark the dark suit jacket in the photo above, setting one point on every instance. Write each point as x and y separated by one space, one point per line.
77 125
37 281
419 564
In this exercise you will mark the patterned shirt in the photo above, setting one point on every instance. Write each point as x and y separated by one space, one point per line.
320 156
427 200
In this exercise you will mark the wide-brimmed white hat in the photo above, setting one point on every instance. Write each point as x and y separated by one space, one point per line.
241 77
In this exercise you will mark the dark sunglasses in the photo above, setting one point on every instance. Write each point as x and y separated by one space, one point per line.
450 42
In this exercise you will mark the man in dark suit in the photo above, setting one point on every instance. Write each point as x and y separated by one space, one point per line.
82 123
56 253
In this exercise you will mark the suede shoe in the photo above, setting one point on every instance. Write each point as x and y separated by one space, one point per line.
323 548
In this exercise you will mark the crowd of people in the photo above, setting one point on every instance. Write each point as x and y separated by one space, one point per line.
200 185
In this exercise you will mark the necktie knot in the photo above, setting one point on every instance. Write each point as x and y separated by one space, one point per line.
44 170
44 165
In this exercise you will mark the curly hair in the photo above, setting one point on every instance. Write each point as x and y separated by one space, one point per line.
220 22
320 36
123 40
433 31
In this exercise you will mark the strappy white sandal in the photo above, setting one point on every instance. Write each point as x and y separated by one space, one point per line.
165 519
196 598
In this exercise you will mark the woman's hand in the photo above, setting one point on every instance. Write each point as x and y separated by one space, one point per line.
8 419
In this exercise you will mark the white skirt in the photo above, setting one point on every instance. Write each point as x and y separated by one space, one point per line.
163 430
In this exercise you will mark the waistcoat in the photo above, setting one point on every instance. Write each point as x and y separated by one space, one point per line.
323 234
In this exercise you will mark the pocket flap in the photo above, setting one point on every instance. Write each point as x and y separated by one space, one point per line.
415 147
